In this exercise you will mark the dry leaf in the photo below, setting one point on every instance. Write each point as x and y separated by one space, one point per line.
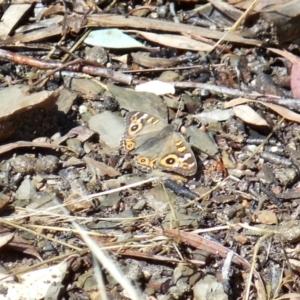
51 10
8 147
227 9
293 58
4 200
295 80
153 62
248 115
113 38
48 28
295 72
5 238
108 20
284 112
174 41
11 17
35 284
21 245
261 5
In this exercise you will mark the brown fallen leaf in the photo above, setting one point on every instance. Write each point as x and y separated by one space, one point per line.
19 244
249 115
51 10
108 20
21 144
48 28
5 238
260 5
22 245
153 62
282 111
295 71
174 41
11 17
4 200
288 55
295 79
227 9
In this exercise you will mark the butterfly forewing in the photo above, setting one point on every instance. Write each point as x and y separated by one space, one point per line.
140 127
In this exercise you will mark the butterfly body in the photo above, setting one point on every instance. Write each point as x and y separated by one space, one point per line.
157 145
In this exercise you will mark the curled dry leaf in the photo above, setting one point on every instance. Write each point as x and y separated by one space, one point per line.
18 243
51 10
248 115
153 62
282 111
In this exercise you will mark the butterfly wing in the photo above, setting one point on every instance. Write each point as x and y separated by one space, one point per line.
177 156
140 128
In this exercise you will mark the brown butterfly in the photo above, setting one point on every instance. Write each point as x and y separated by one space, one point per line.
157 145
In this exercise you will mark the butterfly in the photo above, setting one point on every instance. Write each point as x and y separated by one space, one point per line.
156 144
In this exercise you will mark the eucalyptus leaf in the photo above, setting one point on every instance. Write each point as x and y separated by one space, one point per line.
112 38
